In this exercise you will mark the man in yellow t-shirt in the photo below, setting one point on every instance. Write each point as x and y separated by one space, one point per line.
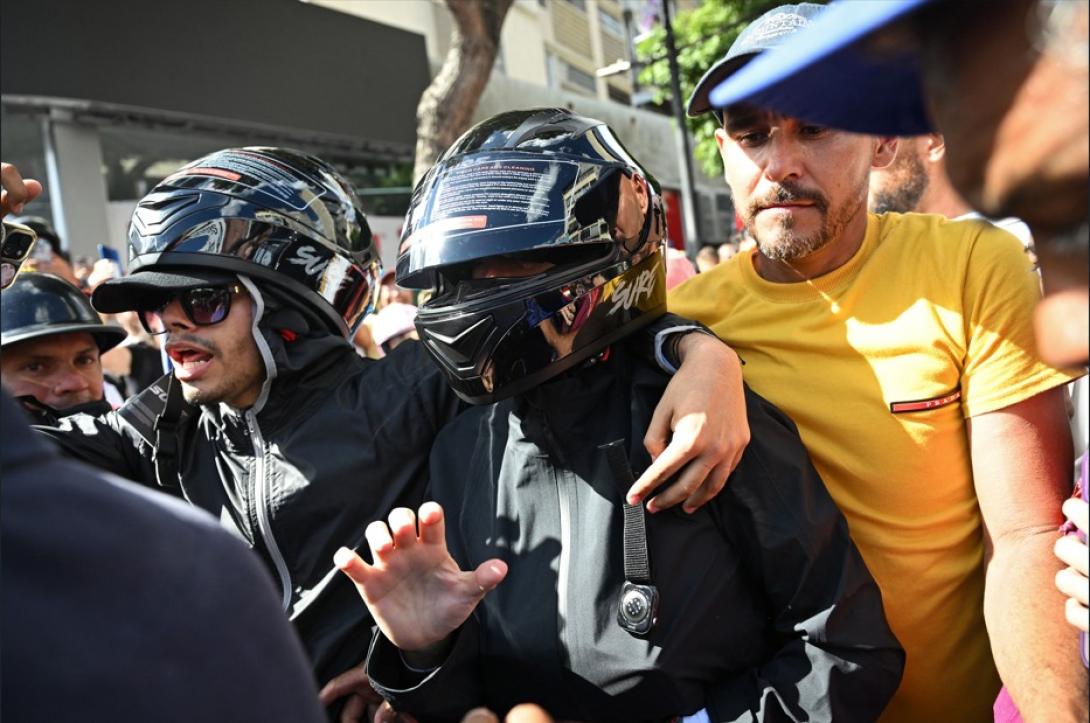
902 346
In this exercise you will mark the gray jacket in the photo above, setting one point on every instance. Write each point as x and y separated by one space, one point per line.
767 609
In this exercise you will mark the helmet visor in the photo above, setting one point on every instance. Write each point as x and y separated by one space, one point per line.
499 204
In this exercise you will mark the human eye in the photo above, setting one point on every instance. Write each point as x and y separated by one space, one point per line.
813 131
86 360
35 367
751 138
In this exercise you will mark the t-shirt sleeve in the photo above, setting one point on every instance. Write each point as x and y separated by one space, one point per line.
1001 289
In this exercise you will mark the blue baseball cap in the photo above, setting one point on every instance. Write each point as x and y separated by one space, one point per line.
830 74
764 33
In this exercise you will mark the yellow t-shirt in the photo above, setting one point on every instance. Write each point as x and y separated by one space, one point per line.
931 318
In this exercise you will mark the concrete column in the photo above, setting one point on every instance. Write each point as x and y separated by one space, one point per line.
73 158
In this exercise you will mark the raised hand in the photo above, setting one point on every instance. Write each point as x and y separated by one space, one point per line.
16 191
415 590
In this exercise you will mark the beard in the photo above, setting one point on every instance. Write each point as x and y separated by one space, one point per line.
906 188
782 242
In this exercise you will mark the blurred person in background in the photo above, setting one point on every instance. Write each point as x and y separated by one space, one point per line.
903 347
678 267
391 293
1007 84
273 423
707 258
52 347
81 267
916 182
392 325
727 251
364 339
49 255
136 363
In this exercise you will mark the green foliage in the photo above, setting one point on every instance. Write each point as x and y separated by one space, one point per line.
702 36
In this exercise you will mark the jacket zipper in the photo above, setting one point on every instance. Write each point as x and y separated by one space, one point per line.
262 504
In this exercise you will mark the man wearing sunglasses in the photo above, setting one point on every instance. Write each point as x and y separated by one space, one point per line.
256 264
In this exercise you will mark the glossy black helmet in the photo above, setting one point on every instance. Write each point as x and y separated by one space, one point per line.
557 198
277 215
38 305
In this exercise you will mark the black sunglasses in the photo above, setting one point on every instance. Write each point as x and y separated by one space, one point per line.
204 306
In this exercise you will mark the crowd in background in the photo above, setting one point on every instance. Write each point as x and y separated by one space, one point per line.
933 241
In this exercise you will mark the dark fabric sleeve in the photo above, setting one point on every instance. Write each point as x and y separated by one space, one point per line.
443 694
837 658
409 369
647 342
106 442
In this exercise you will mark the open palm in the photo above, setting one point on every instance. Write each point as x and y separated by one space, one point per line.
415 590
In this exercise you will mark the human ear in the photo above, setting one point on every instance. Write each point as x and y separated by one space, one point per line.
885 150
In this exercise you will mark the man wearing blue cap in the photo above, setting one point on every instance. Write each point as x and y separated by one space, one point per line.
902 347
1010 90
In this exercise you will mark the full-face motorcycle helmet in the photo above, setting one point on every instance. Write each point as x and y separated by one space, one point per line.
282 217
557 197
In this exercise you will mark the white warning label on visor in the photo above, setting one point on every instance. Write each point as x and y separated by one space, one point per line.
507 192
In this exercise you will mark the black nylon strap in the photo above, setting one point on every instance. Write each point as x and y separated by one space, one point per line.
166 438
637 564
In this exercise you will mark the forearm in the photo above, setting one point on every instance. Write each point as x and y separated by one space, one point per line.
1022 472
1035 650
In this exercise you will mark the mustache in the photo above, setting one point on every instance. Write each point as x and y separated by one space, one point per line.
206 344
788 192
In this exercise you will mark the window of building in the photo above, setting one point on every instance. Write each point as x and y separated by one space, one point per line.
619 96
582 79
552 70
610 24
581 4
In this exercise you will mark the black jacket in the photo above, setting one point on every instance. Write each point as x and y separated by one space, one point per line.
121 604
767 609
339 441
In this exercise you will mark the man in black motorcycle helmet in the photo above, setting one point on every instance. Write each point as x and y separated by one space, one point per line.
256 264
541 238
590 224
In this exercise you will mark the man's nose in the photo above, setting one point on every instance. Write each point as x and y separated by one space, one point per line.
173 316
784 159
69 381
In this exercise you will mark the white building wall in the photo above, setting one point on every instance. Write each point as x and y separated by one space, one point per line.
521 43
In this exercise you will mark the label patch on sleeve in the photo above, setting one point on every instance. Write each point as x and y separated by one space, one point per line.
925 404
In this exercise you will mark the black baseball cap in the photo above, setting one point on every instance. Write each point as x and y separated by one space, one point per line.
150 289
764 33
